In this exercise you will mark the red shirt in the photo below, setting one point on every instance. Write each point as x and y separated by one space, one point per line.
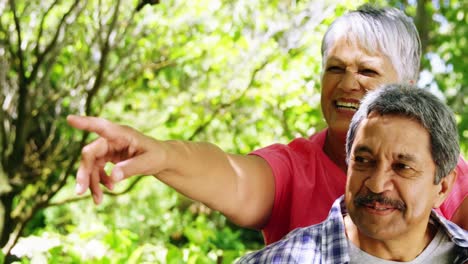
307 183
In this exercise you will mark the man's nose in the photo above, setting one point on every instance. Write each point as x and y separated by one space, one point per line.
380 180
349 81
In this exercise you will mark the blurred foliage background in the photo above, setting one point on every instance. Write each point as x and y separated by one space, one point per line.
241 74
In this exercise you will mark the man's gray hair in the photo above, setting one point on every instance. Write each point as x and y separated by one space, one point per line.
380 30
416 104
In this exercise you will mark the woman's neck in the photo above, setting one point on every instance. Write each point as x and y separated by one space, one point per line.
334 147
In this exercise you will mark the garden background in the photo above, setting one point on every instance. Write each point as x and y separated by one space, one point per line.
241 74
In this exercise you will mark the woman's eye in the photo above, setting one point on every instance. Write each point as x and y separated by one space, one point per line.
368 72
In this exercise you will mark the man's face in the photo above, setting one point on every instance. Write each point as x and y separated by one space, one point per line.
350 72
390 189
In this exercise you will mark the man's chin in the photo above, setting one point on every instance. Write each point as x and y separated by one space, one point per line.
379 231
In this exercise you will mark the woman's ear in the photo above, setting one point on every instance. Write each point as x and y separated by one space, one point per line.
445 186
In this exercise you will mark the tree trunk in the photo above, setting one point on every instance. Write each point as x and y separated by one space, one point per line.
6 224
423 21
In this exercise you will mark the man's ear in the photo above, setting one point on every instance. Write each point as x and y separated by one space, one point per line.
444 187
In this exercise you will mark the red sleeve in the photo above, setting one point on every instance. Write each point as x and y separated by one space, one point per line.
307 183
277 157
285 161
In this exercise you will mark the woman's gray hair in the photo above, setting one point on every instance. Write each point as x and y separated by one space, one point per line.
416 104
380 30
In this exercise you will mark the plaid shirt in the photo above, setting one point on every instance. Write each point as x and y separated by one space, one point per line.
327 242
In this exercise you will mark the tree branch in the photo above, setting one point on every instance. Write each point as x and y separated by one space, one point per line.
422 22
100 23
3 84
102 62
14 236
134 75
52 43
6 40
19 52
41 27
284 122
63 178
47 66
253 75
21 120
42 202
76 199
128 24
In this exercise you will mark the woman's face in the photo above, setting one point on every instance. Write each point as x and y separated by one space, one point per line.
349 72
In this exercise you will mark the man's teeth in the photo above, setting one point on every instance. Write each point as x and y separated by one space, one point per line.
378 208
348 105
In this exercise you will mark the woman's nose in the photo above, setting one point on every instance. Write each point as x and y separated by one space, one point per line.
349 81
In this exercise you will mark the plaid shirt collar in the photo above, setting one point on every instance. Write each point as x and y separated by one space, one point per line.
327 242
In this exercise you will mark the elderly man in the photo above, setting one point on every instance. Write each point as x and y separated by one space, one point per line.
402 149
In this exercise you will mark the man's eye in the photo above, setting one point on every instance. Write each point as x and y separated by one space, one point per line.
335 69
361 163
404 170
401 166
359 159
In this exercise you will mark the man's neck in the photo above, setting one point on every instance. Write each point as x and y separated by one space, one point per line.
402 249
334 147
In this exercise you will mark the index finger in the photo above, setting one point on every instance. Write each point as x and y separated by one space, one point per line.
100 126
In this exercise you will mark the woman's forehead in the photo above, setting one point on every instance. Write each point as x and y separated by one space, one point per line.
366 45
347 46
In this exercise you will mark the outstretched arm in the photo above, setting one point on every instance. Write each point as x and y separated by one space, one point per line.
241 187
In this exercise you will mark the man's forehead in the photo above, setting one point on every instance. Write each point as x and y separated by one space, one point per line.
377 116
377 128
390 120
363 148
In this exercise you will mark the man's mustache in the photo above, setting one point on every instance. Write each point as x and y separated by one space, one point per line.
370 198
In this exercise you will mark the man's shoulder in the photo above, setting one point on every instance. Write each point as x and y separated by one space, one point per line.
457 234
300 245
325 240
303 237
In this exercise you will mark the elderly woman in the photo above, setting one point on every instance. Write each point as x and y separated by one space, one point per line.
402 148
280 187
